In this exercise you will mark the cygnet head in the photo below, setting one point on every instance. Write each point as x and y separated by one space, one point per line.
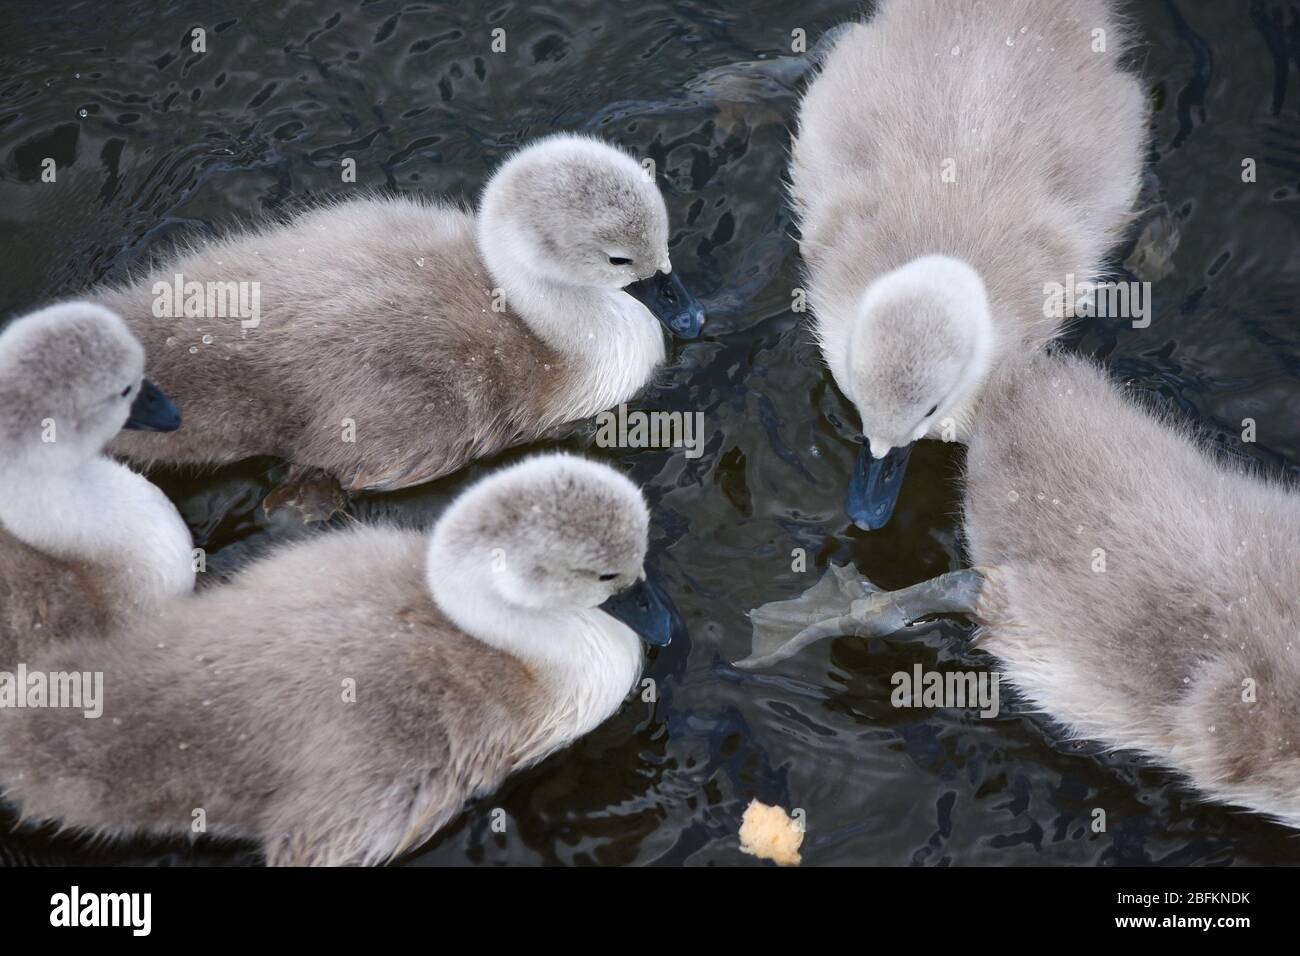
920 346
919 350
71 377
579 212
552 533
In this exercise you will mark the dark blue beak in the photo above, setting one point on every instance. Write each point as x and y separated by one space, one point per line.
666 297
647 609
152 411
874 487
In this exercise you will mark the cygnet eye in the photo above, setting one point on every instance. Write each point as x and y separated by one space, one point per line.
609 577
126 391
619 261
933 409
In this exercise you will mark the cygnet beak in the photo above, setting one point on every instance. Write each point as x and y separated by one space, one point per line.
877 479
670 302
152 411
647 609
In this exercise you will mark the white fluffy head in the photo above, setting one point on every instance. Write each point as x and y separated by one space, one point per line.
68 376
920 348
577 211
552 532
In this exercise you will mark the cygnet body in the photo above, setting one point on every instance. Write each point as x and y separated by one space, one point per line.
341 699
1137 589
397 339
953 158
85 542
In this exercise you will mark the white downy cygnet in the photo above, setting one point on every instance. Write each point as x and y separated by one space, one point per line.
85 542
954 159
396 339
341 699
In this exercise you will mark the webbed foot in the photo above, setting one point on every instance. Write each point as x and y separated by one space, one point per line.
843 604
305 497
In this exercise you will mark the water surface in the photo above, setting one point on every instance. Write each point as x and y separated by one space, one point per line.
154 142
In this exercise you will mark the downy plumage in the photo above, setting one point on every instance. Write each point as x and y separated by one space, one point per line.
340 700
397 339
953 157
85 543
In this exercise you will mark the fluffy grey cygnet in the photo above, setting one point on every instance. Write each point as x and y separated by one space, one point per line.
398 339
85 542
952 157
341 699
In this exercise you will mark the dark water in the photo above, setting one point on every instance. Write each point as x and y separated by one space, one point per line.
172 142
